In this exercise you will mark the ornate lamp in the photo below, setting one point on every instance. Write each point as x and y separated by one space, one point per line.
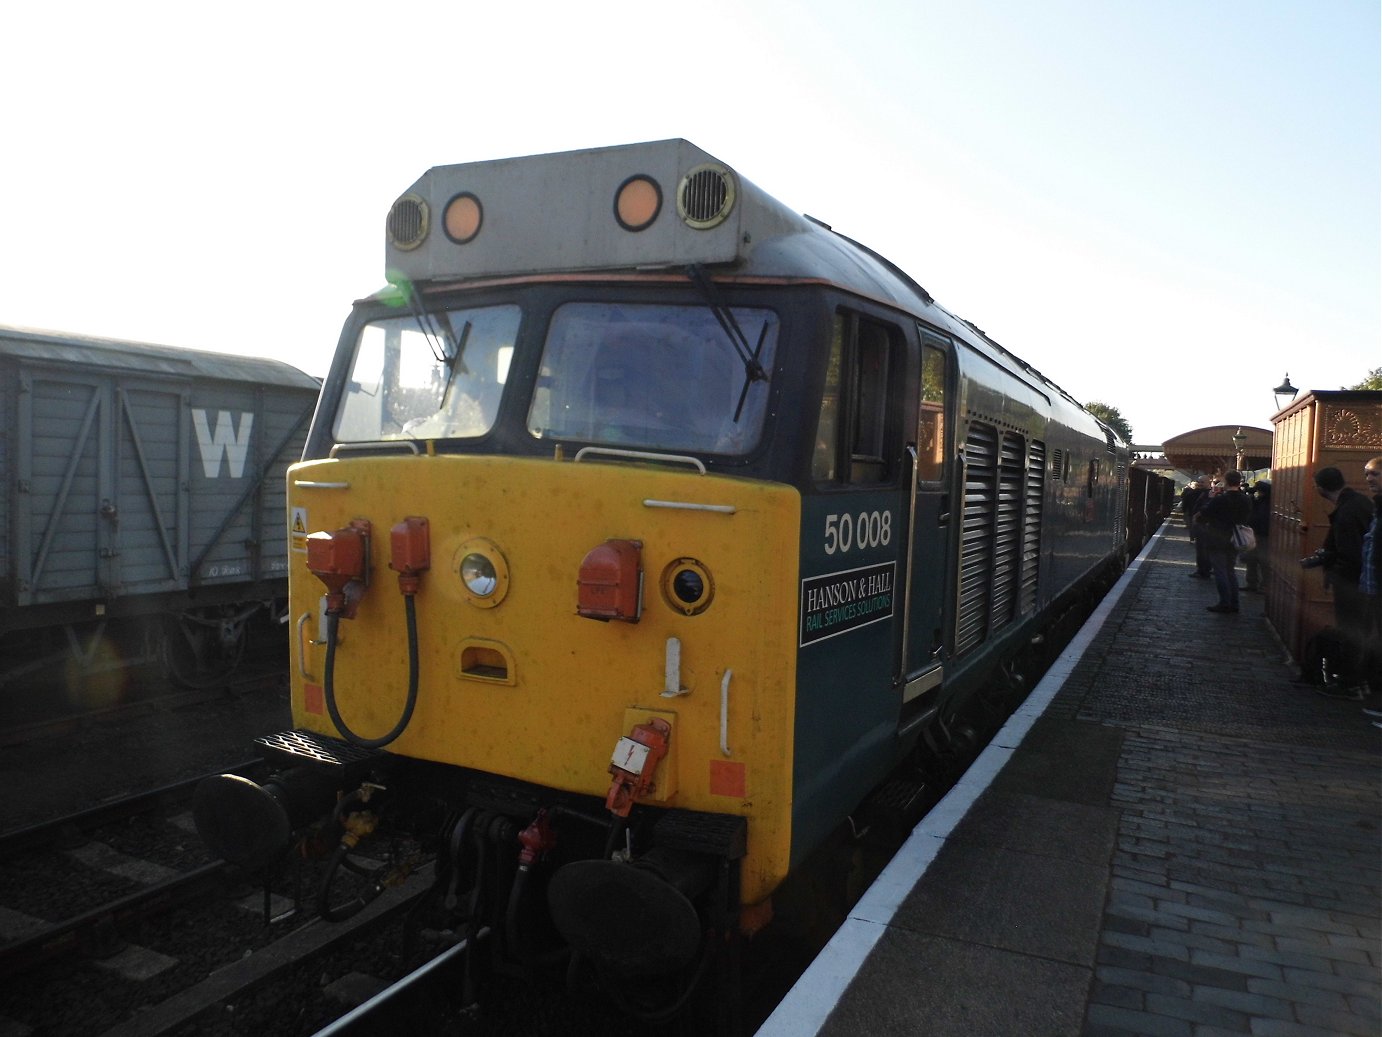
1285 393
1238 440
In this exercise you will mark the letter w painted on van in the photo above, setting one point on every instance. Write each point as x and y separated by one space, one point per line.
234 444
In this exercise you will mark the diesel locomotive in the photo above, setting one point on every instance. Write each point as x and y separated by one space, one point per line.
644 527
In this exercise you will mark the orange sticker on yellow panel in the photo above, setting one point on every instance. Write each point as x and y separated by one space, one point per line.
727 778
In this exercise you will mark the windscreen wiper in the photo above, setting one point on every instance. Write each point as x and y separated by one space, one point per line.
753 369
441 337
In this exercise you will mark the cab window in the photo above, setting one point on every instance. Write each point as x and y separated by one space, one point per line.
652 377
431 376
852 428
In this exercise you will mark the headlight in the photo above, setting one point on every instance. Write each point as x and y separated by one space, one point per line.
483 571
477 573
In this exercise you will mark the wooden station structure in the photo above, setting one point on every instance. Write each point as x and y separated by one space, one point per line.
1343 429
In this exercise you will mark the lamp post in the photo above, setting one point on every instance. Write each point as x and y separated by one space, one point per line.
1238 440
1284 393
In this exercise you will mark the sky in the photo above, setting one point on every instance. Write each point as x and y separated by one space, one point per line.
1164 207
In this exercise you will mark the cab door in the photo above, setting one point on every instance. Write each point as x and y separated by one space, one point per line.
927 509
854 510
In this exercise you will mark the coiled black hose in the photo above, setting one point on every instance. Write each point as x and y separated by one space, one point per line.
332 622
339 913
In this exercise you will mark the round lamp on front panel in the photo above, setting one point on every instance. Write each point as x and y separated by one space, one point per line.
483 572
462 218
637 202
477 573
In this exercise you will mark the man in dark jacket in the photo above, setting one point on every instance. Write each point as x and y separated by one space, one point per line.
1342 560
1261 522
1190 499
1216 520
1370 578
1196 492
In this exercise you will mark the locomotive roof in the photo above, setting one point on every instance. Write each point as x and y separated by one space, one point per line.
564 213
116 354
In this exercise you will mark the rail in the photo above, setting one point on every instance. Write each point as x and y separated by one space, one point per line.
71 934
45 832
374 1015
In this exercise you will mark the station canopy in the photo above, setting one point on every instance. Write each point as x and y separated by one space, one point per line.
1206 451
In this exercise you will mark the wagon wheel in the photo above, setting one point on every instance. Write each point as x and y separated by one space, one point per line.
204 646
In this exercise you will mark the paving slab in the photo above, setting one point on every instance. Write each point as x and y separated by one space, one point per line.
954 988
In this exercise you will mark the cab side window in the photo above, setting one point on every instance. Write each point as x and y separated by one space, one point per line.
931 415
852 431
824 459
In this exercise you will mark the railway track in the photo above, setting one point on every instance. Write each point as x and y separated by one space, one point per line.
117 910
39 709
113 915
113 920
61 759
264 993
204 952
78 838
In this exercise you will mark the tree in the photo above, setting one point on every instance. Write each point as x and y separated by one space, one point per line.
1372 381
1111 417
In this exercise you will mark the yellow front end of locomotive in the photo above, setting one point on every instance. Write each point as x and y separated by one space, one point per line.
514 680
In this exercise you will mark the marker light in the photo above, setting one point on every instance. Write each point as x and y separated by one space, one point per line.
462 218
687 586
637 202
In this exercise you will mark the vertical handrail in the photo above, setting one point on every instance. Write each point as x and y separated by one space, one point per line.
724 713
302 647
907 568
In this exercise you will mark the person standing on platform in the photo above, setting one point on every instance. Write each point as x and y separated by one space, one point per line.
1216 519
1192 498
1189 499
1370 578
1261 522
1341 557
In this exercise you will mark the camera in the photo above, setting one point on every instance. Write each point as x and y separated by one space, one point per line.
1315 560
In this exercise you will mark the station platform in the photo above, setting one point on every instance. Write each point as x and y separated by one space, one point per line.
1170 837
